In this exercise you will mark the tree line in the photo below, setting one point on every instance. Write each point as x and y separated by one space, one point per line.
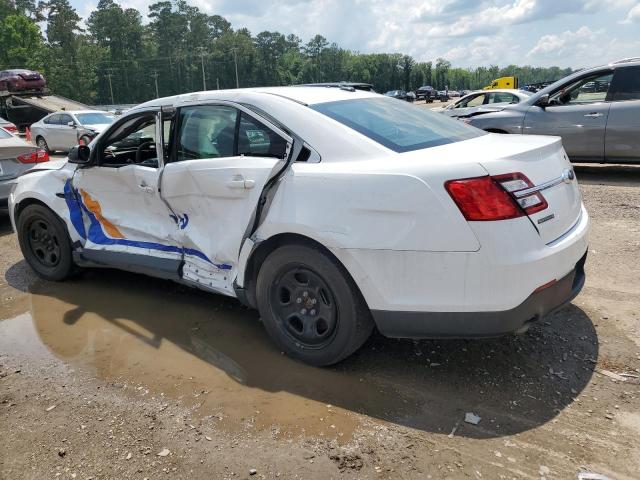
114 57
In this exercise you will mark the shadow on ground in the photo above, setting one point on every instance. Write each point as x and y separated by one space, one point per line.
605 174
126 325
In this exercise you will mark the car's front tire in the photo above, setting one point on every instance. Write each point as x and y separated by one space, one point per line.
45 243
310 306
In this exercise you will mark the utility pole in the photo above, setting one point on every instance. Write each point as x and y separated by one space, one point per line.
235 61
217 83
155 78
109 74
204 82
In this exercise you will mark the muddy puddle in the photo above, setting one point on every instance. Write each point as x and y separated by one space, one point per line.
213 355
209 353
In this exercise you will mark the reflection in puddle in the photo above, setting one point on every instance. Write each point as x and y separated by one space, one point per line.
204 350
214 356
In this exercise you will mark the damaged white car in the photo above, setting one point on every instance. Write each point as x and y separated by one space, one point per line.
329 210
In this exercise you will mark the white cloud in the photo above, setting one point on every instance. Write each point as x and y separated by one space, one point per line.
467 32
634 15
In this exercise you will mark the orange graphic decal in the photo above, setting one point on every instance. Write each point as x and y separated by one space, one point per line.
94 207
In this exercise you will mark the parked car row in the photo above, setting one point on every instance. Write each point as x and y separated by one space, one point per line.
596 111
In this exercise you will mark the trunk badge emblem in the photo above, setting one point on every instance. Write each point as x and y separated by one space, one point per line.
568 175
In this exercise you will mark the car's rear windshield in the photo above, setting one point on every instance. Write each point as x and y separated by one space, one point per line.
396 124
94 118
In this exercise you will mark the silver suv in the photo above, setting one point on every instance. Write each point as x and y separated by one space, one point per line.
596 111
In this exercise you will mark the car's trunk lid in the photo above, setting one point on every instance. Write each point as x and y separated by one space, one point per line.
547 167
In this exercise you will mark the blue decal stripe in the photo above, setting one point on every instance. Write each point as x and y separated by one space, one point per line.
97 235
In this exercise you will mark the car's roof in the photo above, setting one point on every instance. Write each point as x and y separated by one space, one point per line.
76 112
300 94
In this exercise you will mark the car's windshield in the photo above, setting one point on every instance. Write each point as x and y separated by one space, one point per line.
94 118
397 125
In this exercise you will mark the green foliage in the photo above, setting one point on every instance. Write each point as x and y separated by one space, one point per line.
120 56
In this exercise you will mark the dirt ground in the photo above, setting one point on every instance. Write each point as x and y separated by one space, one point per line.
115 375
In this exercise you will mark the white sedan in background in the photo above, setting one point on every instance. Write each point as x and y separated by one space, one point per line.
483 101
330 211
63 130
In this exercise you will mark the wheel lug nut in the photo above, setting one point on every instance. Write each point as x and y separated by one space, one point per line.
303 311
298 300
313 301
312 312
305 294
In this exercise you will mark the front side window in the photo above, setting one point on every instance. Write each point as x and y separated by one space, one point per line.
475 101
65 119
399 126
502 97
131 143
95 118
626 84
590 89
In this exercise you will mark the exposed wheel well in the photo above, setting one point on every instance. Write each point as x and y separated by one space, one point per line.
263 250
495 130
25 203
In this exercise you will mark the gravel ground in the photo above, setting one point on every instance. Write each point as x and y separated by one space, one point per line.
115 375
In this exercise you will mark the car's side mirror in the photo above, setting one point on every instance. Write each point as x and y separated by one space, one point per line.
71 124
79 154
543 101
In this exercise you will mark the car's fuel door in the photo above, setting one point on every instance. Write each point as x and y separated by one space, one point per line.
224 158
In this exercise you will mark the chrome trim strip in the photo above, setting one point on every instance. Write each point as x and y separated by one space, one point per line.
538 188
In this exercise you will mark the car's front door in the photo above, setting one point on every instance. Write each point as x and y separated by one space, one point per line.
622 140
223 158
578 113
127 223
67 134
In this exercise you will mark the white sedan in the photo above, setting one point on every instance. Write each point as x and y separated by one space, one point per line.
330 210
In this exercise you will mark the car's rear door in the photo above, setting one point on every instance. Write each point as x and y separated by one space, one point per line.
224 156
622 139
578 113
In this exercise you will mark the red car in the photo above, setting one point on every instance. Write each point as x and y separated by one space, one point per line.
21 80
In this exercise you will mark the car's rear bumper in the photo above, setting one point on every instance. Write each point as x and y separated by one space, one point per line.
486 323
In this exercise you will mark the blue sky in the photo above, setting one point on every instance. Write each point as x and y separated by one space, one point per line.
567 33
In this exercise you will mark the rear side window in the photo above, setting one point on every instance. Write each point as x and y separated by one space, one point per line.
53 120
397 125
626 84
255 139
206 131
4 133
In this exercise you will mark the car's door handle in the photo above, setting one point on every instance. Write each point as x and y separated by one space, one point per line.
146 188
241 183
593 115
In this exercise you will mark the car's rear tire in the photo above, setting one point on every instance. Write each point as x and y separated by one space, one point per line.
42 144
45 243
310 306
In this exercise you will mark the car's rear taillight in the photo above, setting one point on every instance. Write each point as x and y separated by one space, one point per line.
494 198
10 127
37 156
516 184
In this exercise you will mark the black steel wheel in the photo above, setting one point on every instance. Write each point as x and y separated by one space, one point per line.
310 306
44 242
305 305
